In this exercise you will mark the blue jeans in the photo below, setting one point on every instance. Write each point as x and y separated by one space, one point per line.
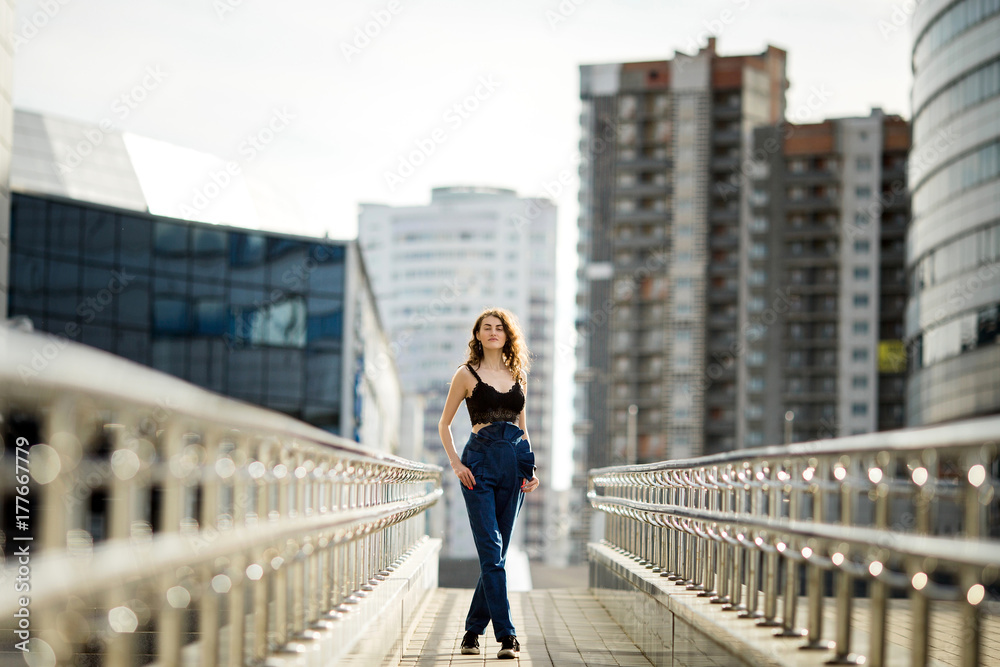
499 458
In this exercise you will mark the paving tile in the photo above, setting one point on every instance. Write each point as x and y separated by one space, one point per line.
556 628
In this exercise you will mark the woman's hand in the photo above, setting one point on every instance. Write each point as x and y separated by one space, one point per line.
464 474
529 485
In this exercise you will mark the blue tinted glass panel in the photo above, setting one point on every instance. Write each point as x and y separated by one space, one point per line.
64 230
211 317
133 345
325 327
208 364
98 237
173 285
246 296
27 277
246 258
28 224
245 378
170 355
97 336
322 378
170 247
171 316
102 288
290 264
328 275
209 242
67 325
285 379
133 304
202 288
135 238
281 324
209 260
63 286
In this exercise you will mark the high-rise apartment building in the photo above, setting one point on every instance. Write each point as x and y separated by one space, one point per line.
434 268
953 243
661 249
824 280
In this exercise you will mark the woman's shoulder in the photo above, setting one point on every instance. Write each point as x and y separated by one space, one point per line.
465 372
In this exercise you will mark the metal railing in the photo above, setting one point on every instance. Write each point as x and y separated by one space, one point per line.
911 513
150 520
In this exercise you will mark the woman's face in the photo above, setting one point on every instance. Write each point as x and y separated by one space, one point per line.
491 333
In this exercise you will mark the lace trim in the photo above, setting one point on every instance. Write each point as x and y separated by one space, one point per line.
490 416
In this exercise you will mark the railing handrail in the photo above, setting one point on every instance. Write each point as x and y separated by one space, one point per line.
956 434
120 560
973 552
134 489
130 383
879 508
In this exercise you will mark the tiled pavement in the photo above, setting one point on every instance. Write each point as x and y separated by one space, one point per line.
557 627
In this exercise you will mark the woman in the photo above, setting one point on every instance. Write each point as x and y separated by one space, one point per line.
497 465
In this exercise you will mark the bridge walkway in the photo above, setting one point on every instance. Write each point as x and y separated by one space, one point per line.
557 627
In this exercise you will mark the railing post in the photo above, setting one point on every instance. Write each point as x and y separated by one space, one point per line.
879 590
738 489
208 612
789 476
924 476
970 613
724 485
845 582
773 489
818 477
695 548
753 556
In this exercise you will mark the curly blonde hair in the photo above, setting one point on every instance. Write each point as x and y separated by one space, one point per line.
515 351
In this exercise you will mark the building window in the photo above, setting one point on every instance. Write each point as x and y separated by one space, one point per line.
859 381
758 224
758 277
859 409
755 383
860 300
756 358
859 354
758 251
863 163
863 192
861 273
860 327
862 246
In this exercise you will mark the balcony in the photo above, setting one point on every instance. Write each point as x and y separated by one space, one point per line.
726 137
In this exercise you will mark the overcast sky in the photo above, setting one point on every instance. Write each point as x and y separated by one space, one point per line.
227 68
299 96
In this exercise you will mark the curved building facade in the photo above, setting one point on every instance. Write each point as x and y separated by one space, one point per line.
953 243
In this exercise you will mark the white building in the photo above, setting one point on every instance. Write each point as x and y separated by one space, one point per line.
433 269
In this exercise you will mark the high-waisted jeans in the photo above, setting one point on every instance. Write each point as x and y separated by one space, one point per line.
499 458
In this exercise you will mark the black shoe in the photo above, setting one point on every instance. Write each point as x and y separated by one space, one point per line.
509 647
470 643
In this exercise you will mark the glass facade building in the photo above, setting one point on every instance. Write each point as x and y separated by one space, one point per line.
254 315
953 243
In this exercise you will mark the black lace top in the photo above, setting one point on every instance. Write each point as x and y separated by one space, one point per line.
486 404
